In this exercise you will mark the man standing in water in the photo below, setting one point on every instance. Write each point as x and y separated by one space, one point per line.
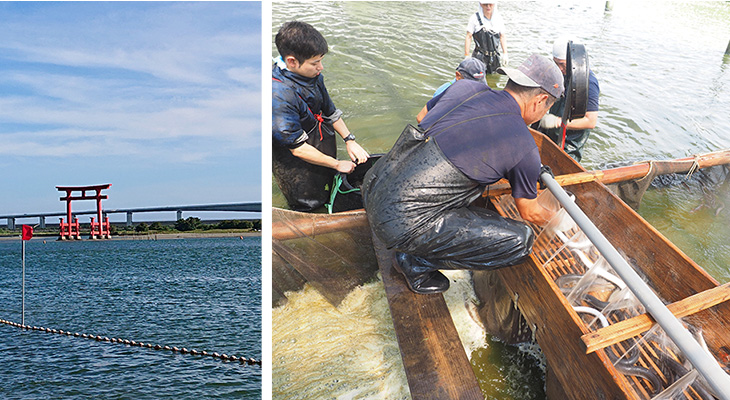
471 68
577 130
487 28
418 196
305 120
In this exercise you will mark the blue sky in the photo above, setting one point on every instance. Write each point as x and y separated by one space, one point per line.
160 99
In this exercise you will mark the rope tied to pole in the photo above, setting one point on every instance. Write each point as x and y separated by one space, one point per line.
695 166
98 338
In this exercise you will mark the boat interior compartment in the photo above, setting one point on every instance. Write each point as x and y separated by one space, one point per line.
566 292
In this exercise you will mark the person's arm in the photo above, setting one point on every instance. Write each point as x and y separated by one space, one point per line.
503 43
422 114
467 44
311 155
530 210
587 122
354 150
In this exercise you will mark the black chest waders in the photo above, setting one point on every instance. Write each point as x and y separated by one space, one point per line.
418 203
573 104
345 193
306 186
487 47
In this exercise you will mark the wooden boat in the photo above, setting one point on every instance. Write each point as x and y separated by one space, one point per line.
581 358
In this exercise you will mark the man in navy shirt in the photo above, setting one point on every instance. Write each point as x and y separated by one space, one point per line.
418 196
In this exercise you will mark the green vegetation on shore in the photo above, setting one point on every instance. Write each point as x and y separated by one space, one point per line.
188 225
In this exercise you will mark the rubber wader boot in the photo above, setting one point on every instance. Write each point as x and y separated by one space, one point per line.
420 279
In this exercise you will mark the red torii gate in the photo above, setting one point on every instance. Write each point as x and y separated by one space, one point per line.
70 230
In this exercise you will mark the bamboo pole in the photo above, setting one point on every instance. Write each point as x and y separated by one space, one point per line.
301 224
625 173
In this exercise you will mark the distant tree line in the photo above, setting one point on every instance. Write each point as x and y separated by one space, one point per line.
194 223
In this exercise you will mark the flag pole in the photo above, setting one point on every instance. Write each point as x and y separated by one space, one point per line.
23 289
27 234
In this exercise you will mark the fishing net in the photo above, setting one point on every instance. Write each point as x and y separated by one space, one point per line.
667 173
333 253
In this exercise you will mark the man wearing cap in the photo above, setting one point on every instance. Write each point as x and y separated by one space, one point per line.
487 29
577 130
470 68
418 197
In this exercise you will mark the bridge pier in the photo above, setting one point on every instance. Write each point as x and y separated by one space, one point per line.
42 222
11 223
129 219
179 215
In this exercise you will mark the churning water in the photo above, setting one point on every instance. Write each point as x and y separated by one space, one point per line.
202 294
665 93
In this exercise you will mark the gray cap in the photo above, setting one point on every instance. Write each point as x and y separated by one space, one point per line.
473 69
537 71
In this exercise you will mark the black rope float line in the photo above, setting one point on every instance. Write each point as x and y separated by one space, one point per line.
224 357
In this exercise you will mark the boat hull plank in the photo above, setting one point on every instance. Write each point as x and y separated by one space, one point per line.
436 364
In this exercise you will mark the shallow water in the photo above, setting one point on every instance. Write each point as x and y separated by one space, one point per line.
665 90
201 294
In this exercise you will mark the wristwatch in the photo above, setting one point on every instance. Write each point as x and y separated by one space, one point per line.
349 137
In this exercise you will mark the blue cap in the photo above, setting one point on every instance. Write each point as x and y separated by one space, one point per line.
473 69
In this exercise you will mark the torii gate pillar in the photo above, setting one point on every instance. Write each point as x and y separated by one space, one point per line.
70 229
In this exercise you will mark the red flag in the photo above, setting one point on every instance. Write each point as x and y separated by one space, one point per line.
27 232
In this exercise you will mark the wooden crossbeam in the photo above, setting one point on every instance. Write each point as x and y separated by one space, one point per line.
629 328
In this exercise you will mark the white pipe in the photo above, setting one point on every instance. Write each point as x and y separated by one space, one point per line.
703 362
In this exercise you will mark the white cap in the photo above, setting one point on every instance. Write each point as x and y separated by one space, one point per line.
560 48
487 2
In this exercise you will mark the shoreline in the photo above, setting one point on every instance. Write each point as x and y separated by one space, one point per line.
151 236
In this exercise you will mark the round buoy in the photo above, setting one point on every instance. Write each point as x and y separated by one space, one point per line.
158 347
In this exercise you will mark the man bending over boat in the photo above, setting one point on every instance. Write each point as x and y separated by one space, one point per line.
418 196
304 120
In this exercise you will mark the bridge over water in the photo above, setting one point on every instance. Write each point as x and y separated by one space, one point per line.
230 207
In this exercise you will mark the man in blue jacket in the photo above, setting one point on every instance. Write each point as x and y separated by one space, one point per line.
305 121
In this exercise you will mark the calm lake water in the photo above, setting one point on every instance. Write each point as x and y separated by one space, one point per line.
665 93
202 294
